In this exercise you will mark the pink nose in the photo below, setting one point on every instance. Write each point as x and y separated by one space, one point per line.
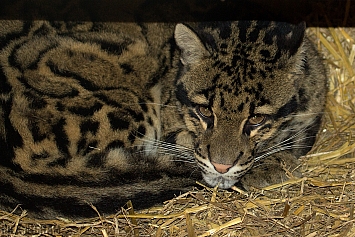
221 168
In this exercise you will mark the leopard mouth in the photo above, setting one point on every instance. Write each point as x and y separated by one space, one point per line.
222 181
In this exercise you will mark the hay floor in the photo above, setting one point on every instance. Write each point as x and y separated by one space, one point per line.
320 204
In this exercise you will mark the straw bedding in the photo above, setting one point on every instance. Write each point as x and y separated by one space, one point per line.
320 204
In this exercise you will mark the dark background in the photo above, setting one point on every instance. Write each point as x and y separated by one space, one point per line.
314 12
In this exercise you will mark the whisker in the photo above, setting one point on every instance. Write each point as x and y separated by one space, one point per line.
167 147
182 157
151 103
158 142
286 144
171 149
307 114
278 149
293 136
176 152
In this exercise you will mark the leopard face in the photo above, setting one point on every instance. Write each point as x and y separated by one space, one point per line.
240 95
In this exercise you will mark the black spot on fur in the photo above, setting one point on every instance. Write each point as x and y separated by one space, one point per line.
171 138
86 111
36 102
37 135
61 162
132 137
150 121
253 36
89 126
40 156
12 59
263 101
10 139
260 87
144 106
113 48
269 38
136 115
250 90
62 141
225 32
126 68
275 59
222 100
182 96
287 109
251 108
216 77
265 53
5 87
81 145
223 46
303 99
116 122
241 107
262 73
96 160
243 26
115 144
59 106
141 131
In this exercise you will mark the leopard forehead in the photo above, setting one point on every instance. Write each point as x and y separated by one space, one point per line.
245 88
266 44
250 62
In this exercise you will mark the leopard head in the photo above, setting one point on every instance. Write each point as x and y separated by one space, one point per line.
238 84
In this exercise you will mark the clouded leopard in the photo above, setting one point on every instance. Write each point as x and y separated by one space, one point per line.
103 113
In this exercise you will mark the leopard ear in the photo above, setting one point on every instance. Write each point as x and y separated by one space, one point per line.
293 40
192 49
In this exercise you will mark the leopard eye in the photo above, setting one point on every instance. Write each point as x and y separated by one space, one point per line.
257 120
205 112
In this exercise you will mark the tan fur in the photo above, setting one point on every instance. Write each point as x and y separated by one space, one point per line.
106 112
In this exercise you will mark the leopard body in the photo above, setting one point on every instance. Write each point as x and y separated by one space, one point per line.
102 113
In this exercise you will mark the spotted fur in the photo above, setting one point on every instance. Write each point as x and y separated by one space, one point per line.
104 113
